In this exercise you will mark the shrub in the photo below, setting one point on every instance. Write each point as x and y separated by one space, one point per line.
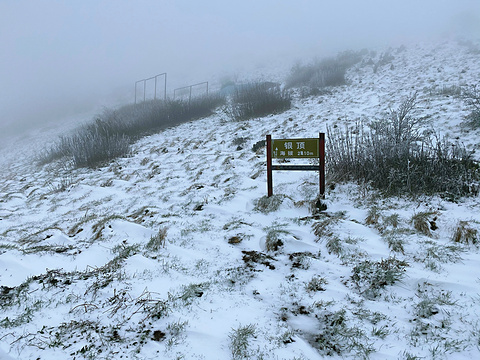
385 58
323 73
452 90
397 157
471 96
259 145
111 134
259 99
95 145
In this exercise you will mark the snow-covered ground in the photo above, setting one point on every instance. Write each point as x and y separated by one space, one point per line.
167 255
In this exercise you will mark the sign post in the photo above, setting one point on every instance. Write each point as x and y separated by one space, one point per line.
296 149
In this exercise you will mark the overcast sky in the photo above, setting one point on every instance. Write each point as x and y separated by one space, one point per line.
62 57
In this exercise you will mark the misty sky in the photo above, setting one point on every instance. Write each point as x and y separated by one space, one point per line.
62 57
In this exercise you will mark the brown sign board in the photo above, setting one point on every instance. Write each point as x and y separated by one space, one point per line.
295 148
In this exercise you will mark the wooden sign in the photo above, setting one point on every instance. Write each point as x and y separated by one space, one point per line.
296 149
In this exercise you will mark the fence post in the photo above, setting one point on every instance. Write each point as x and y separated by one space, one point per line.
165 90
144 89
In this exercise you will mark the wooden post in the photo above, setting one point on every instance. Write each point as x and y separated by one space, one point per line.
321 153
269 166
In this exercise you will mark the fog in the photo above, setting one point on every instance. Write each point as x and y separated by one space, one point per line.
60 58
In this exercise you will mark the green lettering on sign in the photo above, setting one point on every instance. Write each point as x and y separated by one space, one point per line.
294 148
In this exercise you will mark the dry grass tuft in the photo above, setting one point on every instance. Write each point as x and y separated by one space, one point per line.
425 222
465 234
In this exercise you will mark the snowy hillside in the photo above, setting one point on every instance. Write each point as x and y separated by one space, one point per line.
171 254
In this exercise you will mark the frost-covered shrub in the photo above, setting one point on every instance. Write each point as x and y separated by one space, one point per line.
317 283
385 58
111 134
370 277
259 99
258 145
268 204
398 156
338 336
471 96
323 73
94 144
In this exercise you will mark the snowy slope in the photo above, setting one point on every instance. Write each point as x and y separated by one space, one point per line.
81 276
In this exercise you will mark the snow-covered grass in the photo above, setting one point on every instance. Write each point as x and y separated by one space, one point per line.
173 252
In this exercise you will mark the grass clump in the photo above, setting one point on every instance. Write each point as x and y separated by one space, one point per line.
316 283
323 229
157 241
434 254
370 277
338 337
239 341
431 301
425 222
259 145
110 135
395 242
323 73
465 234
471 96
267 204
273 240
91 145
259 99
399 157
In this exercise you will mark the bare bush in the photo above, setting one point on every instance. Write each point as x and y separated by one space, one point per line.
259 99
397 156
